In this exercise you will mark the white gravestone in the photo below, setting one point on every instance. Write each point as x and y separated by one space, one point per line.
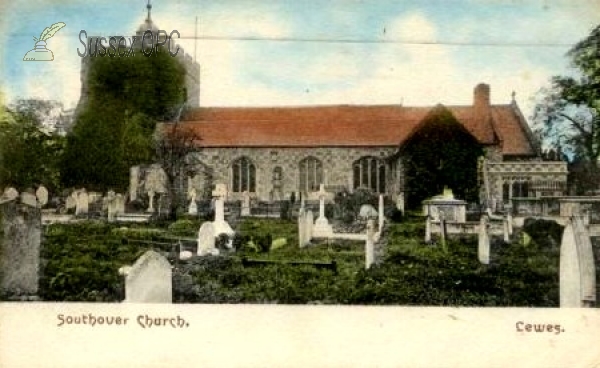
83 203
577 278
505 231
221 226
301 228
111 207
206 240
380 217
70 202
483 249
245 204
400 202
42 195
119 204
367 211
149 280
193 207
309 225
370 245
322 227
428 229
151 195
10 193
134 182
29 199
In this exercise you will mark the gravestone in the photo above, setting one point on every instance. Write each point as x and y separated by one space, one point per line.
149 280
370 245
322 228
428 229
483 249
400 202
10 193
42 195
221 226
134 182
505 231
119 204
577 278
301 228
245 204
367 211
70 202
83 203
151 195
309 221
29 199
111 208
206 240
380 217
193 207
20 255
509 220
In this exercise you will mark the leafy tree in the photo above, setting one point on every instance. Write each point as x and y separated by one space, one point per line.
127 96
441 153
567 115
174 145
29 152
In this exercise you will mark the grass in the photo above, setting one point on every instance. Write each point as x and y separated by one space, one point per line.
81 262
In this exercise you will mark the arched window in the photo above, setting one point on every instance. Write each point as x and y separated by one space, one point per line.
520 189
311 174
244 175
370 172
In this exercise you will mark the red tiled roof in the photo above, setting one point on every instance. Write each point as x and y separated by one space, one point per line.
338 126
512 131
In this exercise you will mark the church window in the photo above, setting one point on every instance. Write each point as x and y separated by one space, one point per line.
244 175
311 174
370 173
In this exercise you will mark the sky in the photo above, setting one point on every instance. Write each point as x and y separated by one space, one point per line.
316 52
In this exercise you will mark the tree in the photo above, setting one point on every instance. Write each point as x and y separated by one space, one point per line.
127 96
441 153
567 115
175 145
29 150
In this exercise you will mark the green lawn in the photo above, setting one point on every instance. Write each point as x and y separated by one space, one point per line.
81 262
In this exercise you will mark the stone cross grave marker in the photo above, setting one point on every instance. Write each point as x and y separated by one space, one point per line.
151 195
149 280
20 256
301 228
206 240
322 227
483 249
221 226
42 195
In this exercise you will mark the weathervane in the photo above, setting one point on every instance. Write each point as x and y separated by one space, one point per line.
149 7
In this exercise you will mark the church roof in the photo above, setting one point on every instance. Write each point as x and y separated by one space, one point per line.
348 126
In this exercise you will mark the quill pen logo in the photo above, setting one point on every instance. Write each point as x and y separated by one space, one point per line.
40 52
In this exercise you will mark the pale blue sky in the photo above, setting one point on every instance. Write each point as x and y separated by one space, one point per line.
409 52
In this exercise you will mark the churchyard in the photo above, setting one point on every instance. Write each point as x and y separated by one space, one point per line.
313 253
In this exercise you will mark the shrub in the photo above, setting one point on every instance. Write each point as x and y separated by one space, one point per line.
183 227
394 215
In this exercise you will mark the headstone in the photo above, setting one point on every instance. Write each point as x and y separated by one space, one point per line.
29 199
70 202
20 255
42 195
83 203
111 207
193 207
206 240
151 195
245 204
483 249
149 280
577 278
370 245
400 202
509 220
322 228
10 194
301 228
380 217
310 221
119 204
428 229
134 182
505 231
367 211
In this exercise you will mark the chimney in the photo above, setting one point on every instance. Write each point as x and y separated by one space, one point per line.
481 98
